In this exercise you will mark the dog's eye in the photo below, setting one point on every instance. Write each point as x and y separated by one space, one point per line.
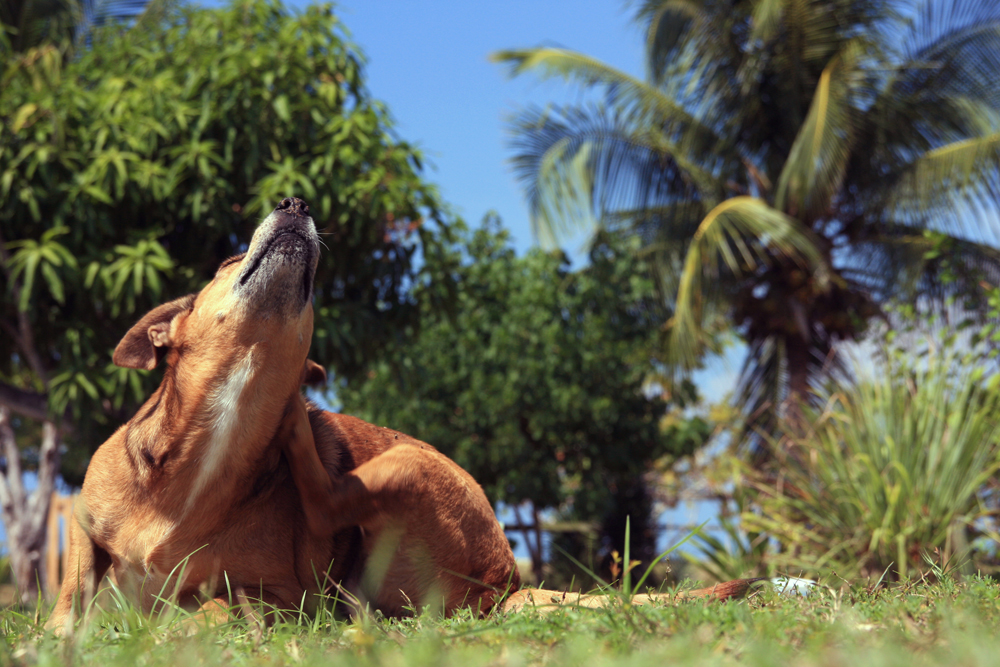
231 260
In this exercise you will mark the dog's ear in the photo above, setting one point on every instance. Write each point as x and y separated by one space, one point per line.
313 374
146 342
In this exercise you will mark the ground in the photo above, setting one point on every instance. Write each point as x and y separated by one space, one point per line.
907 624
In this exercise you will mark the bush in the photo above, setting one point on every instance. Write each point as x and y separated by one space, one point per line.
890 475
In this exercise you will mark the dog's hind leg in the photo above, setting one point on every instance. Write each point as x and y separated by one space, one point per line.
310 477
357 496
430 534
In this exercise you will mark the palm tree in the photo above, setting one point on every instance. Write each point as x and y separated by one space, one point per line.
792 166
26 23
29 23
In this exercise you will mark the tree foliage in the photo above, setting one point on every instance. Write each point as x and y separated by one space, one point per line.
790 166
130 171
537 382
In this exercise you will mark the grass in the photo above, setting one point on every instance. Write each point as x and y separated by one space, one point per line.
906 624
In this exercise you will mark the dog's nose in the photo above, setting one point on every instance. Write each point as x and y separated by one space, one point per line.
293 206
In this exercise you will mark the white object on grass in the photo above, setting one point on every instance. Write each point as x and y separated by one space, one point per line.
793 585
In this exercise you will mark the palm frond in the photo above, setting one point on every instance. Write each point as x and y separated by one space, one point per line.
765 21
939 26
815 167
668 23
663 233
735 239
901 264
823 29
810 35
580 164
938 87
951 50
636 101
694 52
944 188
761 385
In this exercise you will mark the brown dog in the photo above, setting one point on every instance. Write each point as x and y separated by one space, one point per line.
193 498
388 496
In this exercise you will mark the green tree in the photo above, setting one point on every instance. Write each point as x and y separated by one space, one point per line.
791 166
130 171
537 383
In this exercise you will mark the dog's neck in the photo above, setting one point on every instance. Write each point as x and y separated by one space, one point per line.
211 431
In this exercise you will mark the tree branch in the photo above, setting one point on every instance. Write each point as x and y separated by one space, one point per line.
534 551
11 491
48 468
27 403
26 339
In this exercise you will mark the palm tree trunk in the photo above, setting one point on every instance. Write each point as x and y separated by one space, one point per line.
632 503
799 358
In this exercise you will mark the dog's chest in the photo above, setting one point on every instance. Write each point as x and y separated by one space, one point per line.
145 566
206 551
170 566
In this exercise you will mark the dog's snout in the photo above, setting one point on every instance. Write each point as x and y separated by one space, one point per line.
293 206
284 248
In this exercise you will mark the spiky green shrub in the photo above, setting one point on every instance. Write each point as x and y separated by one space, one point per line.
888 477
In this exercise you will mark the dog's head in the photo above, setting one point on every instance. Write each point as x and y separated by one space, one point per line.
259 304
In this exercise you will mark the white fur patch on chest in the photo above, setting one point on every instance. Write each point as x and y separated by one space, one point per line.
224 405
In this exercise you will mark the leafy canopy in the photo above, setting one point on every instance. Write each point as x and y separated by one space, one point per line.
129 172
537 381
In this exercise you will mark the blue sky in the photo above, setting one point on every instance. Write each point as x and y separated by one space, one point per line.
429 61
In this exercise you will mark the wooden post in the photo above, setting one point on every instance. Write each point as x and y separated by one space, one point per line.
61 507
52 547
67 515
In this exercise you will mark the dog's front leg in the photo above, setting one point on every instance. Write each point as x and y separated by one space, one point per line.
88 563
259 608
216 611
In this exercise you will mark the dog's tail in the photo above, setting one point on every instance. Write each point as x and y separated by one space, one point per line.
545 600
